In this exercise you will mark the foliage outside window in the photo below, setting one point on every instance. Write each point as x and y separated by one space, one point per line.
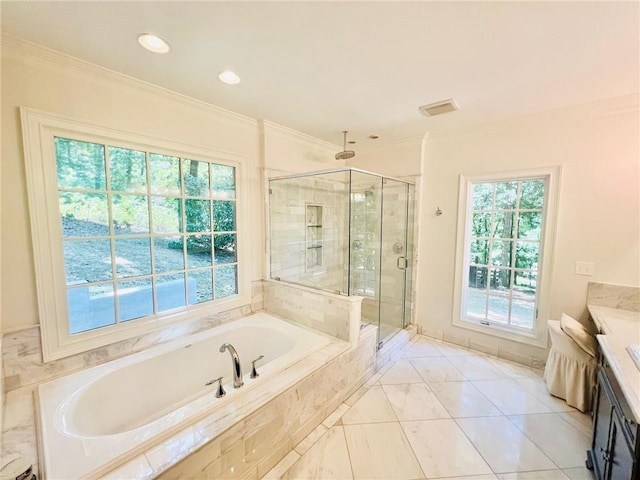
144 233
506 223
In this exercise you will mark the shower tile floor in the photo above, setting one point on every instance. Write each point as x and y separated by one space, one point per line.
440 411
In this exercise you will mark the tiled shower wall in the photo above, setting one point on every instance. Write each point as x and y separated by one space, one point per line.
289 231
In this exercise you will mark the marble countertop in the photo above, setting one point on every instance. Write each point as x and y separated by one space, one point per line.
620 328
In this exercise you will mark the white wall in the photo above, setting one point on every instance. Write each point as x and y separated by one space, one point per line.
597 146
46 80
396 158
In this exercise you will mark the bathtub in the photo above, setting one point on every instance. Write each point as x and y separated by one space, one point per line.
91 420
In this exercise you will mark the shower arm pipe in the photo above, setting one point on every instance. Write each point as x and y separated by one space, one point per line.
339 170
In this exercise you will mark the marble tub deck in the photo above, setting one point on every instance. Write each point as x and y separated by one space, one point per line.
440 411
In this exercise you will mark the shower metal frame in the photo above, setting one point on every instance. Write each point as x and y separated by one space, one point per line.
406 232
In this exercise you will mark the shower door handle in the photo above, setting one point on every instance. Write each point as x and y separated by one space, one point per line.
402 263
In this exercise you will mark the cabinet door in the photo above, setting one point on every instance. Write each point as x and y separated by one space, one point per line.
621 458
602 419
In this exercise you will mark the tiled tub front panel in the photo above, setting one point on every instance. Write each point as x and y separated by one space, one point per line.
252 447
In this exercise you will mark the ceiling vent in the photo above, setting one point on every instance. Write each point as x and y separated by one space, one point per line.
438 108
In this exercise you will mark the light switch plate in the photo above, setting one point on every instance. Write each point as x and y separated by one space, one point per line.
584 268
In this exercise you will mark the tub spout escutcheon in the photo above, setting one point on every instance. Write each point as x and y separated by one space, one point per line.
237 368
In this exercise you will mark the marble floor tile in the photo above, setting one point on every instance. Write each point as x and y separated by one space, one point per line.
539 475
372 380
443 449
414 401
437 369
336 415
538 388
565 445
327 459
513 369
451 350
357 395
373 407
510 397
579 474
477 368
505 448
423 347
401 372
381 451
462 399
579 420
310 439
488 476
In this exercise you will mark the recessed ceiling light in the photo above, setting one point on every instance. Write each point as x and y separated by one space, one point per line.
229 77
153 43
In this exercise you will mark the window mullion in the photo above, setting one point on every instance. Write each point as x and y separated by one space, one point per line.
112 240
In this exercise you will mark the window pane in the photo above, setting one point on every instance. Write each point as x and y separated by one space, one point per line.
501 253
478 277
224 248
523 313
87 261
198 215
529 225
481 226
170 292
499 309
196 178
226 281
133 257
80 164
504 224
527 255
199 251
130 214
532 194
525 284
128 170
506 195
224 182
165 174
167 214
200 286
135 299
168 254
90 307
483 196
84 214
476 303
224 216
500 280
479 253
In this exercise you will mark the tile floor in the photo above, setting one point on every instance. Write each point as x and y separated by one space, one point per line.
440 411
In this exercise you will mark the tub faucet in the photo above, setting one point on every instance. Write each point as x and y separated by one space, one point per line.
237 369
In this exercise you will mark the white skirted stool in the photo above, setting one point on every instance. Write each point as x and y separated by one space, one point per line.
570 372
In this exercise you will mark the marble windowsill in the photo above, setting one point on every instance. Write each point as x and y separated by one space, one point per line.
620 328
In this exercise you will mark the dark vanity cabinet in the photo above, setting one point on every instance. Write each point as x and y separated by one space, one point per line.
615 445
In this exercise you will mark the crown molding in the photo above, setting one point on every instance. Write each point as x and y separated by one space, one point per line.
297 135
62 60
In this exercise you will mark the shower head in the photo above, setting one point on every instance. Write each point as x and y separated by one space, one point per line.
344 154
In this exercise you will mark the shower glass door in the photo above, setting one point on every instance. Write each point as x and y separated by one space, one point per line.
394 259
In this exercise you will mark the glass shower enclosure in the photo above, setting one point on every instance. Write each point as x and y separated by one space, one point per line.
349 232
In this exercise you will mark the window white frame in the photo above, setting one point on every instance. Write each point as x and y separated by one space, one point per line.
551 176
39 130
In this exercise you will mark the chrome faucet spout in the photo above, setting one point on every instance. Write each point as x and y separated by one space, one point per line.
237 368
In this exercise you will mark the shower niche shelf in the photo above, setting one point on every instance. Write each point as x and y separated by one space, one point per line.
313 221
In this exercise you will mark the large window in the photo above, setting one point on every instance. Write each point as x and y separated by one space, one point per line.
129 232
505 222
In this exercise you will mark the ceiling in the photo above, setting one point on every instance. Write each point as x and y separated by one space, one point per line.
323 67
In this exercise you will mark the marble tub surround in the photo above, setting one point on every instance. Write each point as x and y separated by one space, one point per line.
335 315
401 425
620 328
22 352
621 297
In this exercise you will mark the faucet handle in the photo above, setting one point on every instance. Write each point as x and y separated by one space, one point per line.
220 392
254 373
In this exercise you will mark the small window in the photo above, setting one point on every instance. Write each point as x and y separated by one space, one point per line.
505 221
129 233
